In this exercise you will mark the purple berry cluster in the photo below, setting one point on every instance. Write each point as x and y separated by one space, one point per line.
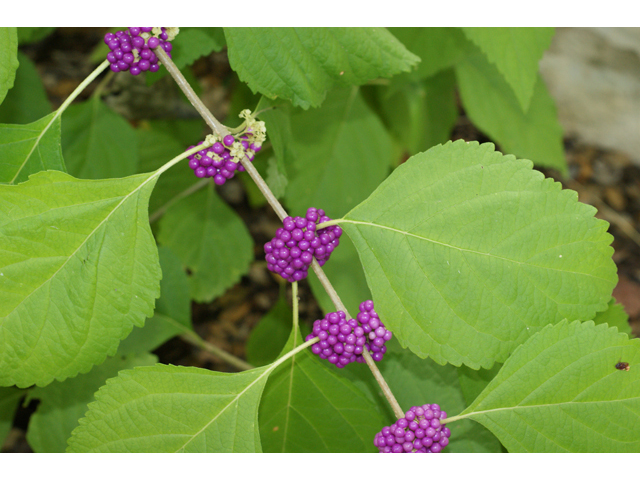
374 329
297 243
132 50
419 431
217 161
342 341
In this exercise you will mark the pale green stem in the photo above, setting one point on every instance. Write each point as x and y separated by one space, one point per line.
294 300
182 156
293 352
64 106
452 419
196 340
322 225
81 87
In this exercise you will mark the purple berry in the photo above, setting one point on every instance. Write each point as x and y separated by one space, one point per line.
407 435
228 140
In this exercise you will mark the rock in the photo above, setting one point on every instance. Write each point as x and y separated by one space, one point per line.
594 76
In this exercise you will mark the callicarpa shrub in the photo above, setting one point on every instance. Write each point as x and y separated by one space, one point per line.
451 276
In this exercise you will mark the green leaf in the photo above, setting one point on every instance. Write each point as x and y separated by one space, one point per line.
155 148
79 269
309 407
302 64
174 409
63 404
28 35
421 115
473 382
333 145
219 249
277 117
493 108
346 275
614 316
27 149
9 400
468 253
8 59
191 43
438 47
187 131
27 101
277 181
516 53
97 142
561 392
416 381
269 336
195 42
173 309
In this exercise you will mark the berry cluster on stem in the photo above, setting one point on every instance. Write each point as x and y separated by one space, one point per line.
132 50
297 243
343 341
419 431
221 160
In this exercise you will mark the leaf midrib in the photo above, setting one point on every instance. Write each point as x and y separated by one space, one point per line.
89 235
267 371
544 405
487 254
36 143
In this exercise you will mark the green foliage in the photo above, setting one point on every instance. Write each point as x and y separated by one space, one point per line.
309 407
614 316
452 252
277 181
473 382
63 404
352 288
27 149
28 35
155 148
174 409
414 380
191 44
63 305
27 101
219 250
172 315
421 114
561 392
516 53
9 400
195 42
302 64
439 48
472 258
8 59
97 142
493 107
330 146
270 335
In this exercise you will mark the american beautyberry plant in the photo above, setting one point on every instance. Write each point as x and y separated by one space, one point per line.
453 277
